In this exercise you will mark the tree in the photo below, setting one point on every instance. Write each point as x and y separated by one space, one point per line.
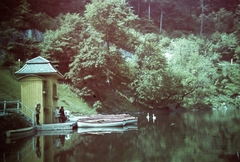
237 22
99 63
163 5
227 91
221 21
62 44
87 71
151 64
191 75
13 29
113 18
225 45
149 8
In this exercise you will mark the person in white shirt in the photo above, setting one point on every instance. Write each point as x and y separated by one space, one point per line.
57 114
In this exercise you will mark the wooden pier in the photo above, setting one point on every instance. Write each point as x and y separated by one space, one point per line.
43 129
69 125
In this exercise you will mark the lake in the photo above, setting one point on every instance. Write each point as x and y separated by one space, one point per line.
197 136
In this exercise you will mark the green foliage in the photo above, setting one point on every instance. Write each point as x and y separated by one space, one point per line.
228 85
97 105
89 65
224 44
187 79
99 63
192 76
221 21
92 45
147 26
237 54
62 44
12 31
237 22
9 86
112 18
72 102
151 67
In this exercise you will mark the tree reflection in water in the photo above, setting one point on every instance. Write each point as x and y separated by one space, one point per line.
189 136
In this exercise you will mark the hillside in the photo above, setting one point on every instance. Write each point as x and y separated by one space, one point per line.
10 90
72 102
9 86
175 49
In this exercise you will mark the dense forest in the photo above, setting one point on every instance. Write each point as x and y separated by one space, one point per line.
150 53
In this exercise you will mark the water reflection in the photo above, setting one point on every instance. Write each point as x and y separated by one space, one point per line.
25 150
190 136
38 148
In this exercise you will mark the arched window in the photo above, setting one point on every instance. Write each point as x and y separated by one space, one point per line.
55 95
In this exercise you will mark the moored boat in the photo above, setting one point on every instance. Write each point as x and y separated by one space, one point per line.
106 121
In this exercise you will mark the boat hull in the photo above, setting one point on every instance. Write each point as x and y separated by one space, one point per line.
106 121
100 124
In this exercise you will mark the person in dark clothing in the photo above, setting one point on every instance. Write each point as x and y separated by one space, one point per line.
62 114
37 112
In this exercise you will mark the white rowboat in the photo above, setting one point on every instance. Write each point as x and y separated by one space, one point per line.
106 121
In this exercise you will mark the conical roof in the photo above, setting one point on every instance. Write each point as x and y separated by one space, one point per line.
38 66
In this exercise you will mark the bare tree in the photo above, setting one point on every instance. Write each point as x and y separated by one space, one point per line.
160 21
201 27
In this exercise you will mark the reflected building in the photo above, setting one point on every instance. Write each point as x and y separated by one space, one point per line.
37 149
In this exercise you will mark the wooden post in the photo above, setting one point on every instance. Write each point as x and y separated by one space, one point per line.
19 63
33 119
231 61
17 106
4 107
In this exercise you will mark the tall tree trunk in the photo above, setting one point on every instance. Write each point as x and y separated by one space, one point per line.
139 1
201 27
161 17
149 9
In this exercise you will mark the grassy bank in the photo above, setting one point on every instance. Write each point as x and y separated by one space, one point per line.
72 102
9 86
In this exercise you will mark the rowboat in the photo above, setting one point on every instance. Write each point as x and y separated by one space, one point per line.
106 121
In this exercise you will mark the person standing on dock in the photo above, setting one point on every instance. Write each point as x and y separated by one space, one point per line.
62 114
57 114
37 112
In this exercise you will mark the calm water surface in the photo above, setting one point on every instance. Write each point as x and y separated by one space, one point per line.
200 136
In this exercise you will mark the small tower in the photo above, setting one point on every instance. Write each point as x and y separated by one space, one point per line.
39 80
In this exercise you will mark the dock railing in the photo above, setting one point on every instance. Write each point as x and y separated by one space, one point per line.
7 107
